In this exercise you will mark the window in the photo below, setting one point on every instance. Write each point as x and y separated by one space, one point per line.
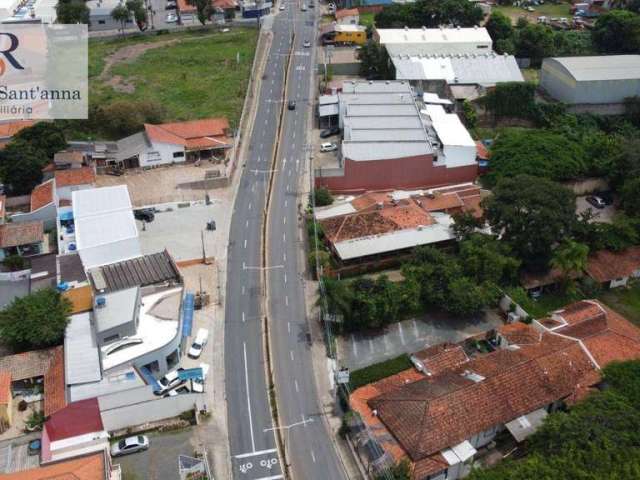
178 154
483 46
111 338
101 22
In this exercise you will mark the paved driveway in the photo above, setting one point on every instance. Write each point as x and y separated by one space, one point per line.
358 350
160 462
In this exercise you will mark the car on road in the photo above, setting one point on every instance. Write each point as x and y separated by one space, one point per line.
129 445
328 147
329 132
171 18
282 7
307 44
312 5
291 105
198 385
169 381
303 8
201 340
144 214
596 201
170 6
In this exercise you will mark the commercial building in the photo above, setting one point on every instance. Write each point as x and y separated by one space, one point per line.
100 15
168 143
388 143
348 16
344 33
28 11
459 397
104 230
433 41
382 226
607 79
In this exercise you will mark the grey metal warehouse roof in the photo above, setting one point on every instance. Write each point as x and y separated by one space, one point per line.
140 271
82 359
604 67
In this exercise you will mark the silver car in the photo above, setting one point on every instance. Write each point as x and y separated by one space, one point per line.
130 445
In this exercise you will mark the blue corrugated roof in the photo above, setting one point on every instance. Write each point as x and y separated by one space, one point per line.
150 379
187 314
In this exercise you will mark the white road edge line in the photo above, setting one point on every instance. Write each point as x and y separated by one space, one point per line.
295 382
246 381
313 457
274 477
255 454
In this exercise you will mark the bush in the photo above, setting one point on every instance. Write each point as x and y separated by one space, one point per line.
323 197
125 117
378 371
14 263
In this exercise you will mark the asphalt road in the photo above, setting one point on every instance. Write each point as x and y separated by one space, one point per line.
251 436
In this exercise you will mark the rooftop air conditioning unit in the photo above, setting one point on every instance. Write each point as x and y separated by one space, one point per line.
101 302
513 317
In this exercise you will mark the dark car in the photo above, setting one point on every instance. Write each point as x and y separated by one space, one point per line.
596 201
607 197
144 214
291 105
329 132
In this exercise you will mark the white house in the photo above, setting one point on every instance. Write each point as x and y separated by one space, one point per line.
348 16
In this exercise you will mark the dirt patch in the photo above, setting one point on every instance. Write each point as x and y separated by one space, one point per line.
119 84
130 53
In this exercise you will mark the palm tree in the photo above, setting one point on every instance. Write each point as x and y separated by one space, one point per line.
570 258
120 14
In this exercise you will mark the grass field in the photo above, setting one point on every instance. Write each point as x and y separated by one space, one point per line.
378 371
546 10
193 75
625 301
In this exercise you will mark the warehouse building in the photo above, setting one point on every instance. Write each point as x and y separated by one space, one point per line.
434 41
597 80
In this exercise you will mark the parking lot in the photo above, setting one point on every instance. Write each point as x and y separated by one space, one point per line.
602 215
160 461
358 350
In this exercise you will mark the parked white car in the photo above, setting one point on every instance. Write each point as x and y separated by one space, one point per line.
198 385
282 7
169 381
328 147
201 340
171 18
130 445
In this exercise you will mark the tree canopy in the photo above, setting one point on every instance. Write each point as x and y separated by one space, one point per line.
45 136
21 166
499 26
617 31
430 14
536 152
35 321
375 62
532 214
72 11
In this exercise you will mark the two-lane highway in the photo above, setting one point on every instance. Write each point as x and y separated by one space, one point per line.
252 442
309 446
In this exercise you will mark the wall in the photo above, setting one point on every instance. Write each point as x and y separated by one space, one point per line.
64 193
150 411
460 156
109 23
403 173
110 253
165 152
47 214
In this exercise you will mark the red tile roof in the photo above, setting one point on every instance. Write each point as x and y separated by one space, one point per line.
442 357
185 7
195 134
75 176
9 129
17 234
42 195
347 12
225 4
5 387
54 384
604 265
90 467
425 415
77 418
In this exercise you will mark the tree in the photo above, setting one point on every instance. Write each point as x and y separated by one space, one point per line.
570 258
323 197
534 41
466 298
470 115
430 14
121 14
617 31
465 224
485 259
21 166
536 152
532 214
45 136
630 196
375 62
35 321
499 26
14 263
125 117
72 11
204 9
139 12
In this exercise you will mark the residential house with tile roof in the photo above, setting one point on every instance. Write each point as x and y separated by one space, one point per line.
167 143
348 16
614 269
380 225
96 466
439 415
23 239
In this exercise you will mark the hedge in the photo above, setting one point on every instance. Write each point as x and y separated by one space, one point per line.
378 371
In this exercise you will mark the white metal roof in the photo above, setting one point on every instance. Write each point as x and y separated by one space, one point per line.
428 97
604 67
389 86
103 216
81 355
335 210
364 151
482 69
434 35
460 453
342 27
448 127
398 240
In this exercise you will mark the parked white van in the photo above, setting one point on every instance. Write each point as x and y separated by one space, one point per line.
201 340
